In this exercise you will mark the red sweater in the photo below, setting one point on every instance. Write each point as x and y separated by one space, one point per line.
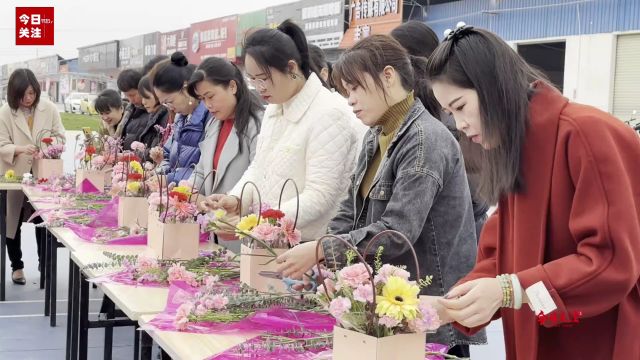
223 135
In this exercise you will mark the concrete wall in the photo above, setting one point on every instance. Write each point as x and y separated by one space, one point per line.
589 69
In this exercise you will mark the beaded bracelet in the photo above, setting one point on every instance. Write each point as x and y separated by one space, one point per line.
507 290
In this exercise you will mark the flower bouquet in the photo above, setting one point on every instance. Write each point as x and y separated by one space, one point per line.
128 183
47 162
111 149
10 176
264 236
209 267
225 307
378 311
90 174
173 232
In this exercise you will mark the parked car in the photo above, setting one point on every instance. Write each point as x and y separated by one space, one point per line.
86 105
72 102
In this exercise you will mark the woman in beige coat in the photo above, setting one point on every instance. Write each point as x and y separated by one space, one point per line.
21 119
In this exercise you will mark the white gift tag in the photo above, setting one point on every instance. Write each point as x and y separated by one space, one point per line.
540 299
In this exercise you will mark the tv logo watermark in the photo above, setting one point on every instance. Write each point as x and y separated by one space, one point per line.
34 26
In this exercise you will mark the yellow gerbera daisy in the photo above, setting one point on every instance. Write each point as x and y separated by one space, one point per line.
134 187
136 167
399 299
247 224
10 174
182 189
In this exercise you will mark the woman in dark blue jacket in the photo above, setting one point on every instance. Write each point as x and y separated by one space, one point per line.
181 151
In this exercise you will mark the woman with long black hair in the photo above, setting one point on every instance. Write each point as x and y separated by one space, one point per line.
565 238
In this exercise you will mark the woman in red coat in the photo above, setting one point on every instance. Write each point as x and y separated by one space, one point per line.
565 238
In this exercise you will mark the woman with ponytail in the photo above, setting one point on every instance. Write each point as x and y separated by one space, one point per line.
410 178
307 133
169 79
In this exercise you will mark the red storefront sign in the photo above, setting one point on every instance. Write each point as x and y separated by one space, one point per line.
215 37
368 17
34 25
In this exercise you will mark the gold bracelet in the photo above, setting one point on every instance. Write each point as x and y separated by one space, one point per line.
507 290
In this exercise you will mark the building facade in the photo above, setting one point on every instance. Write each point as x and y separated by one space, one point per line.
590 49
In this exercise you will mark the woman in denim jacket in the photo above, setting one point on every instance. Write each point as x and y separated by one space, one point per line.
410 177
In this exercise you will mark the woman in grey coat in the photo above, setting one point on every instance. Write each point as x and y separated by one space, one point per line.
229 143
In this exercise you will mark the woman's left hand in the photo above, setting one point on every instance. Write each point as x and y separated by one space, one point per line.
228 232
475 302
298 260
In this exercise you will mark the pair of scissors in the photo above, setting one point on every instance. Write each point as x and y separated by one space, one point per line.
289 283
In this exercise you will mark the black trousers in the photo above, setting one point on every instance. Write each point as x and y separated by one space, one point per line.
14 248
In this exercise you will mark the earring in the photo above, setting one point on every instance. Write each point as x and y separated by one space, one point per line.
294 76
190 102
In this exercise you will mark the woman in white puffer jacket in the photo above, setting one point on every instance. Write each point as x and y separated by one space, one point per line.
308 134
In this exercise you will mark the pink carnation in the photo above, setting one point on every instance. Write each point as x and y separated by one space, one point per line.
363 293
178 272
200 310
387 270
118 172
155 200
388 321
331 287
267 233
118 177
211 280
98 162
146 263
292 235
339 306
428 319
54 151
182 315
138 146
216 302
354 275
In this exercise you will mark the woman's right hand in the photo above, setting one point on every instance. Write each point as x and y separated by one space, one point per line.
230 204
26 149
298 260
